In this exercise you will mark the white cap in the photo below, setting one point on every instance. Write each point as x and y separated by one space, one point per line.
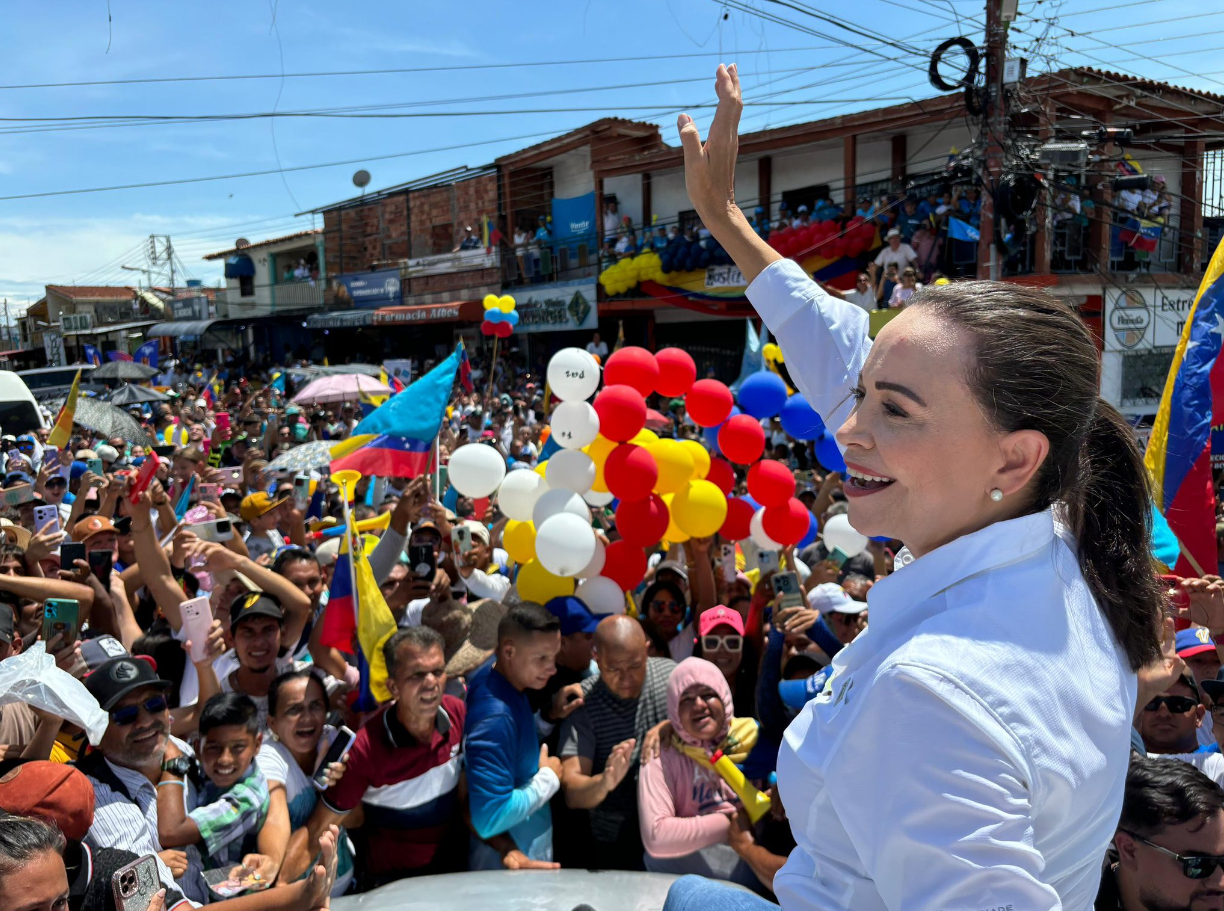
829 596
894 232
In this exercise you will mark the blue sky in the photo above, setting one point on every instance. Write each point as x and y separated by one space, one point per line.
795 77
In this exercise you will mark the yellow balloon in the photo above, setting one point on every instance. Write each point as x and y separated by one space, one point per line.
535 583
645 438
519 540
505 303
541 468
490 301
599 451
675 465
701 458
674 534
699 509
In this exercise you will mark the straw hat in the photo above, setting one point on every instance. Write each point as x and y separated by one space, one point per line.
470 632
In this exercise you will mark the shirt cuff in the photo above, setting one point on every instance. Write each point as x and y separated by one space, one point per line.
544 784
779 290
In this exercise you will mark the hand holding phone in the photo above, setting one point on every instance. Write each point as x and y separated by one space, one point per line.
61 623
197 619
340 746
101 562
461 538
786 585
134 886
148 471
46 519
301 492
421 561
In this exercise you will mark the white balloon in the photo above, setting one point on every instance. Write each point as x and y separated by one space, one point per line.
565 543
571 470
756 531
518 494
597 498
554 502
573 375
574 424
595 567
601 595
839 533
476 470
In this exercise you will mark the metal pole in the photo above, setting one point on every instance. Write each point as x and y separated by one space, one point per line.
994 122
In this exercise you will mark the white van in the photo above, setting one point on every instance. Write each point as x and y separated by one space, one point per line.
19 413
53 382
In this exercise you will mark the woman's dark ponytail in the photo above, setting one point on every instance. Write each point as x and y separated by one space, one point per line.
1036 368
1109 509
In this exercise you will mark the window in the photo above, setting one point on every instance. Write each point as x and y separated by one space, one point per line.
1143 376
688 219
246 285
441 238
805 196
873 191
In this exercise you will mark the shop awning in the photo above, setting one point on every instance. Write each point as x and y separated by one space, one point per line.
343 319
239 266
456 311
180 328
107 328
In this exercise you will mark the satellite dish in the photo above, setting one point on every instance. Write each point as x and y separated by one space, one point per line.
361 179
241 242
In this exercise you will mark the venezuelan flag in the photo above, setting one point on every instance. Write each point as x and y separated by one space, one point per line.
388 457
61 433
1179 452
357 605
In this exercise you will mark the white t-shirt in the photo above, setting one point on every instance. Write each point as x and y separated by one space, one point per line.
903 256
611 222
260 543
1210 764
601 349
1129 199
864 299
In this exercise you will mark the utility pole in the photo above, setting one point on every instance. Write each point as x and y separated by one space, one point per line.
170 258
994 122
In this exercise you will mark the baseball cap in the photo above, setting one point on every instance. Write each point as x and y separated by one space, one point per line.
108 453
114 679
478 530
893 232
675 566
795 694
574 615
92 525
328 552
254 604
96 652
51 790
719 616
1194 642
829 596
86 454
1214 688
14 478
257 504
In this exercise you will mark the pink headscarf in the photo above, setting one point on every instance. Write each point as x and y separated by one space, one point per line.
693 672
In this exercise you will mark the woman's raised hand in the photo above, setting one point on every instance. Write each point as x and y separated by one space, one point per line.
709 169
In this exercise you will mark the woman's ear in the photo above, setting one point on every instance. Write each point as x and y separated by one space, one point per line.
1022 452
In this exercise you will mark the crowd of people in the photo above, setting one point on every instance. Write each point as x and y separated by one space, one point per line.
518 735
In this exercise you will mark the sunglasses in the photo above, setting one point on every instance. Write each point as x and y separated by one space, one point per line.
722 643
1178 705
1194 866
671 606
154 705
57 482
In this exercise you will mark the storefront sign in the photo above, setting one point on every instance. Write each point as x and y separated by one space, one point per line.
724 277
1145 318
53 345
189 307
369 290
558 307
429 313
342 319
459 261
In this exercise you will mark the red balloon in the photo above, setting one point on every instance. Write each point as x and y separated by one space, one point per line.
642 522
738 524
502 330
622 412
624 564
770 483
742 440
633 367
722 475
487 327
677 371
630 472
786 524
708 403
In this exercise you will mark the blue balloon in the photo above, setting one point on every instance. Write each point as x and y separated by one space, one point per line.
747 498
829 455
763 394
812 532
494 315
800 420
511 317
711 433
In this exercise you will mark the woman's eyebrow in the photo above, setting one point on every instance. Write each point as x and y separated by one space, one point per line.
903 390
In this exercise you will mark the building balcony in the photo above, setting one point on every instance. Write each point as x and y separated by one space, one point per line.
274 299
446 277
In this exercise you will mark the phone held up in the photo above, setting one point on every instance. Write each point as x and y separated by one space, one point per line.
61 623
341 745
134 886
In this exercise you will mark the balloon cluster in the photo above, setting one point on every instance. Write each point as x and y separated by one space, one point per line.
500 316
684 255
825 238
629 272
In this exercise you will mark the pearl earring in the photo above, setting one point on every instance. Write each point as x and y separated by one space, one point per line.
996 495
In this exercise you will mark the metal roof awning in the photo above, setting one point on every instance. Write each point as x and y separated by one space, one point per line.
179 328
343 319
107 328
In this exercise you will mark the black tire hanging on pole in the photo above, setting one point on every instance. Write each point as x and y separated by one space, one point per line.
970 76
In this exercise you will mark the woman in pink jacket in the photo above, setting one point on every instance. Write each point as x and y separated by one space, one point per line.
687 810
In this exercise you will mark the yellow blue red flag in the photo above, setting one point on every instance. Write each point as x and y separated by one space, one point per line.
1178 454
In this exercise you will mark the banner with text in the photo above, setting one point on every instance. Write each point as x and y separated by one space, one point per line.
557 307
369 290
1145 318
573 219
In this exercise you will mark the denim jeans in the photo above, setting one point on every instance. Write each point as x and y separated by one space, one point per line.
694 893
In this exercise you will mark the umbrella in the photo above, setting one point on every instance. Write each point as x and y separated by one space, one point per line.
110 421
315 454
123 370
343 387
366 369
128 394
656 421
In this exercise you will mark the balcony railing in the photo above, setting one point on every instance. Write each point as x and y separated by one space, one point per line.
269 300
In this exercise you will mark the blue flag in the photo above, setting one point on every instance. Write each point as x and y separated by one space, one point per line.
92 355
753 361
184 500
278 382
962 230
147 353
417 412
